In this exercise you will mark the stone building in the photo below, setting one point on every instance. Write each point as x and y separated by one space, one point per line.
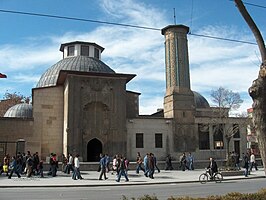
80 105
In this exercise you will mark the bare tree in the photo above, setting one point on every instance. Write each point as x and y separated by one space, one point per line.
11 99
225 100
258 89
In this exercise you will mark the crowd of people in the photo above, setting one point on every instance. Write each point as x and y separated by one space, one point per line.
31 165
22 164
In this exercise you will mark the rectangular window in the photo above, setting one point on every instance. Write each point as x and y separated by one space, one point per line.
158 140
96 53
84 50
139 140
70 50
204 139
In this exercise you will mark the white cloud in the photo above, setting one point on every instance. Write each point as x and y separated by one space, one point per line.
213 63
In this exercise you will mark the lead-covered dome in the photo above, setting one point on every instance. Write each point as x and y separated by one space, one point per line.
22 110
200 101
77 56
76 63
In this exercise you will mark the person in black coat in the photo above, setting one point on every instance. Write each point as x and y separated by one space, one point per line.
212 167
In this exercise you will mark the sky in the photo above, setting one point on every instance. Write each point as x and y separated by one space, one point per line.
29 45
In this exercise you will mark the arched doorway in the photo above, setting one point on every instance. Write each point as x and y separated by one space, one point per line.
94 148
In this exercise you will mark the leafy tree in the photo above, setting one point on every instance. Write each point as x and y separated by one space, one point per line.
225 100
11 99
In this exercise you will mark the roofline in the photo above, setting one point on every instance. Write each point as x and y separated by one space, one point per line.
63 74
128 91
62 46
174 26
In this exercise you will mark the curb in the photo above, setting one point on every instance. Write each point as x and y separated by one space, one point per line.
121 184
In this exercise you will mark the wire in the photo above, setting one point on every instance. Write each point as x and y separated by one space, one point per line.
225 39
191 15
78 19
252 4
116 24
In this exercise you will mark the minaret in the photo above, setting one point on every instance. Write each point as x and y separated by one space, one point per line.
179 99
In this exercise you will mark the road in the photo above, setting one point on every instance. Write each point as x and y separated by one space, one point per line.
162 191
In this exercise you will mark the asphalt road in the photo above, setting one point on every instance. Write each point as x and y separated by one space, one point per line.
162 191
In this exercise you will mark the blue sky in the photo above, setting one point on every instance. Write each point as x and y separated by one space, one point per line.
29 45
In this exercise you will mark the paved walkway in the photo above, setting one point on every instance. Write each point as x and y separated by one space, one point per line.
91 179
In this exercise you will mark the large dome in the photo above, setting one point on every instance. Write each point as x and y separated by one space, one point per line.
200 101
22 110
75 63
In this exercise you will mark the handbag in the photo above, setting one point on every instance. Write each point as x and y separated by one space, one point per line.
5 168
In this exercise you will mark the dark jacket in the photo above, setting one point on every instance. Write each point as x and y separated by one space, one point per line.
213 166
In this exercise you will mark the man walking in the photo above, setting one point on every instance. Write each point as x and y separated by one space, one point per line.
103 167
13 167
122 169
76 174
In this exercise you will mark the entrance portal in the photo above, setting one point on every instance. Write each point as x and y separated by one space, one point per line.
94 148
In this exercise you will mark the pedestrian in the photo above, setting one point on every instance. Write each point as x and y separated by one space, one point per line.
237 158
168 163
146 164
41 168
114 165
155 163
13 167
245 164
24 158
108 160
64 163
36 161
19 163
139 163
190 160
121 169
253 162
126 164
151 166
5 165
102 167
53 164
76 174
29 164
70 164
183 162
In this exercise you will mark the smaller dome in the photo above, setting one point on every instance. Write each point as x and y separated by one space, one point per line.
200 101
22 110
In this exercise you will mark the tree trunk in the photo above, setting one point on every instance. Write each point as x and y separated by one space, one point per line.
258 89
228 160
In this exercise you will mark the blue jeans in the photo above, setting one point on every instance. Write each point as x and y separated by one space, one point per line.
122 173
76 174
139 167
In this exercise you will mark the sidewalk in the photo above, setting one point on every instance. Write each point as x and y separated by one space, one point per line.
91 179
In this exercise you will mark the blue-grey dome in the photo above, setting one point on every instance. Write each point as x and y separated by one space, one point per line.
75 63
22 110
200 101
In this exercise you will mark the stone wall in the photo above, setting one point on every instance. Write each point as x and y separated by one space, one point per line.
48 119
149 127
13 129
